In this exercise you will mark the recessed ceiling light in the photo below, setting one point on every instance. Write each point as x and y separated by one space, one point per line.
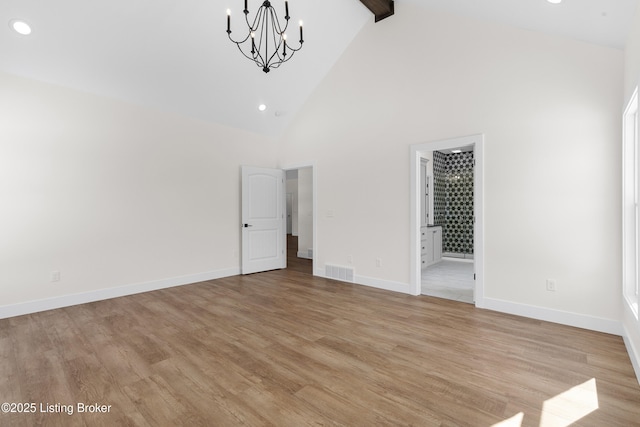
456 151
20 27
555 1
262 107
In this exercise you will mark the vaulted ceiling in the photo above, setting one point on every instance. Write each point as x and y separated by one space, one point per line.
174 55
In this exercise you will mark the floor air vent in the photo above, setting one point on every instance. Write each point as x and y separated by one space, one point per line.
339 273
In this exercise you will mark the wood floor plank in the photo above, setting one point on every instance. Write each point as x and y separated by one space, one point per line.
204 392
284 348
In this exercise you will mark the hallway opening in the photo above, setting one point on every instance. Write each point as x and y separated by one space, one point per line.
294 262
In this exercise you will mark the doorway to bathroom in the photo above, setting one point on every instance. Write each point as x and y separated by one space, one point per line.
447 240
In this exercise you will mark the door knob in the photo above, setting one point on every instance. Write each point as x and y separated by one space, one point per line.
247 225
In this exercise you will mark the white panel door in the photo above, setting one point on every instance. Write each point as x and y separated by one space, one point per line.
263 220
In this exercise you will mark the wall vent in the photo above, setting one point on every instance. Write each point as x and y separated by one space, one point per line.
339 273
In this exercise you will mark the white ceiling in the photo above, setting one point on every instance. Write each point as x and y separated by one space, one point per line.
174 55
605 22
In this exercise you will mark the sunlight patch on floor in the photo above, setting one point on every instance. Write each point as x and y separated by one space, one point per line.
570 406
563 409
515 421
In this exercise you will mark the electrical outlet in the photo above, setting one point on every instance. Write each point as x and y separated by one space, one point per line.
55 276
378 262
551 285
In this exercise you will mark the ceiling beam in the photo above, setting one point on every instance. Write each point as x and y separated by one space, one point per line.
380 8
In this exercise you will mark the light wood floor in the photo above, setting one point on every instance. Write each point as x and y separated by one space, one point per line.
286 349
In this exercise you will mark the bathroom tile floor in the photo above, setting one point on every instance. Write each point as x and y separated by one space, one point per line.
450 279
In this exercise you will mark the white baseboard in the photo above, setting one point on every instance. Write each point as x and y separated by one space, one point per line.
388 285
103 294
373 282
304 254
556 316
540 313
634 355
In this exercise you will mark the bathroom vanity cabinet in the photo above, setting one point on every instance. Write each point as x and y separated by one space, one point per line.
431 243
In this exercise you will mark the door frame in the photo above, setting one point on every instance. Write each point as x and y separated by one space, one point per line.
314 202
477 141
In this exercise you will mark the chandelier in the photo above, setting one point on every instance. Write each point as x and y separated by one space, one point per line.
266 41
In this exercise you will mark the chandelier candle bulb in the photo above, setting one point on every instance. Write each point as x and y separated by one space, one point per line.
228 20
301 38
245 7
286 10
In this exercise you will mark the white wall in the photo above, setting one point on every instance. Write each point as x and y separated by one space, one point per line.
113 195
632 79
305 211
632 57
550 111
